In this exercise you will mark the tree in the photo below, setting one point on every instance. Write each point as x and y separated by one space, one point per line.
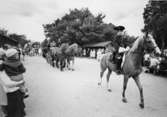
20 38
109 32
3 32
155 20
79 26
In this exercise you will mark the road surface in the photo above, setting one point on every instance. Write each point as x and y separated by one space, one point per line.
76 94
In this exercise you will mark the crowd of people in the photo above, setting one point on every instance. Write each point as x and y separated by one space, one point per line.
32 50
12 85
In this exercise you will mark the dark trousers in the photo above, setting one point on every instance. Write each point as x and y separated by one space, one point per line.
15 107
117 58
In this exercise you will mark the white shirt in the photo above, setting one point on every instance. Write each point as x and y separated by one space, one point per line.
8 84
122 50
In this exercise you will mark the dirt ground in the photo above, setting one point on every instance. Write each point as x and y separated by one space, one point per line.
76 94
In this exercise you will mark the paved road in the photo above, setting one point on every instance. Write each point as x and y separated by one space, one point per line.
76 94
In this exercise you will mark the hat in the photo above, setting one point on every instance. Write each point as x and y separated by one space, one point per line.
11 52
119 28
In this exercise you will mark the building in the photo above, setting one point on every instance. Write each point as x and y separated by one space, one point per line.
107 45
100 45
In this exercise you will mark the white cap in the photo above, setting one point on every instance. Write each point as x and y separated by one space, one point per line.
11 52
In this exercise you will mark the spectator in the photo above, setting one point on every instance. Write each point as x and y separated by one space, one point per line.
3 97
14 68
15 106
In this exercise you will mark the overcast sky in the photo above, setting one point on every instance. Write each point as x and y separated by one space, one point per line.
27 16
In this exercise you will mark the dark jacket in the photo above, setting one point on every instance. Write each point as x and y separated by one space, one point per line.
12 67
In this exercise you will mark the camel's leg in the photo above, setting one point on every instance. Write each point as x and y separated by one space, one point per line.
138 83
68 64
65 64
72 64
57 63
53 62
103 69
108 79
124 88
61 65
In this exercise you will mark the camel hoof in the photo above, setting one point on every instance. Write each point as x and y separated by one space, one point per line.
141 105
109 90
124 100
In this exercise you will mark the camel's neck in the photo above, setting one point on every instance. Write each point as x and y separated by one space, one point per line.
138 57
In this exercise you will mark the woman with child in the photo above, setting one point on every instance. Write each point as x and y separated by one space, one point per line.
12 89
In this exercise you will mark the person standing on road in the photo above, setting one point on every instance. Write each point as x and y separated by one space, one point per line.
3 97
14 68
12 85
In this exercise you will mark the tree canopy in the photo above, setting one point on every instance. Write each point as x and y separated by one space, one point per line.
155 20
79 26
21 39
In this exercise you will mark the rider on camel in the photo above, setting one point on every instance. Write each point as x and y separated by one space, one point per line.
117 45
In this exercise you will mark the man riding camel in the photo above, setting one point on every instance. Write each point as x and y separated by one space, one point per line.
119 48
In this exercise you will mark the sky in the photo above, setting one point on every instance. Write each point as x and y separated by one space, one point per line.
27 16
